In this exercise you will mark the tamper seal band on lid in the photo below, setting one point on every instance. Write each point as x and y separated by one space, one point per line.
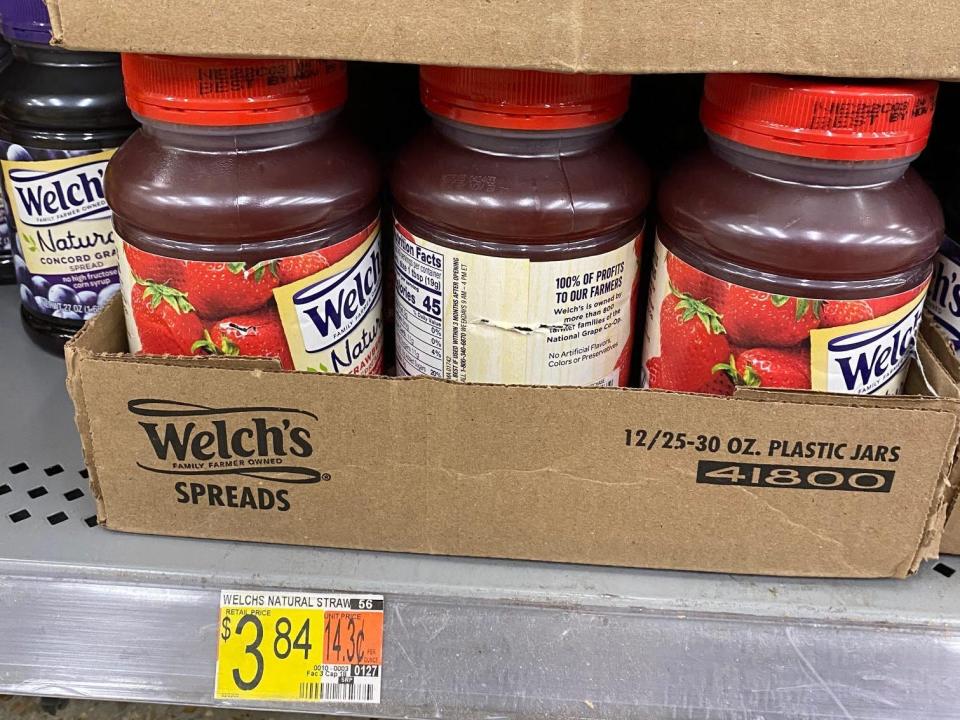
213 91
523 99
830 120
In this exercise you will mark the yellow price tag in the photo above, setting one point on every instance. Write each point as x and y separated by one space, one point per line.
312 647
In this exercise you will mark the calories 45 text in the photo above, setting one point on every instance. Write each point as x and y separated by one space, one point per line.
660 439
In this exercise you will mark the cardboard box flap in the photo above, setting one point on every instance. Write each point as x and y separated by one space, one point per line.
634 36
940 344
569 474
948 372
937 378
82 419
931 375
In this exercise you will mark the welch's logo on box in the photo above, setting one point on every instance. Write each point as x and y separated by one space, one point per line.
231 457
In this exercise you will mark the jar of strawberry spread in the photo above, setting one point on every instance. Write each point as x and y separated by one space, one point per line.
248 216
519 216
795 251
943 299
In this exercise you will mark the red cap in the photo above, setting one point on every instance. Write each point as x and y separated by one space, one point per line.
214 91
523 99
828 120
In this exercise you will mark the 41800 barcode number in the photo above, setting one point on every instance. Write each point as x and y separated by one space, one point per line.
797 477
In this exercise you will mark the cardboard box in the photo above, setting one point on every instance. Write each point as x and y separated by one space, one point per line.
872 38
943 370
766 482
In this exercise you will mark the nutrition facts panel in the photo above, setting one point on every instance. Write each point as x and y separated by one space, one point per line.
419 309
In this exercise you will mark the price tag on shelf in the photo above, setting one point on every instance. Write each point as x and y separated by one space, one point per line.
299 647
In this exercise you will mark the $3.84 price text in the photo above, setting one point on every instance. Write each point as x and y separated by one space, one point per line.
282 645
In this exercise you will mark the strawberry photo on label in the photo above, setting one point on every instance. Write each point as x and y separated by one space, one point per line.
655 376
659 375
754 318
217 290
165 319
687 279
623 362
297 267
159 269
692 341
882 306
721 384
770 368
257 334
837 313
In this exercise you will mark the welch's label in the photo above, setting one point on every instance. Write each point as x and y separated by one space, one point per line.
65 249
943 299
870 357
330 309
50 196
332 319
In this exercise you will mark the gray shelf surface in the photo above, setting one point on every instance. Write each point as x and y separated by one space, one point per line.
86 612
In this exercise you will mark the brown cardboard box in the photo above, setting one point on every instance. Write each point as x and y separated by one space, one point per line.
871 38
943 371
228 449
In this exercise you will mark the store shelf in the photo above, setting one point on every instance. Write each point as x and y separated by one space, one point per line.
85 612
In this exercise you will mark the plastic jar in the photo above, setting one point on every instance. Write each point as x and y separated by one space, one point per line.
519 219
943 300
249 218
795 251
62 115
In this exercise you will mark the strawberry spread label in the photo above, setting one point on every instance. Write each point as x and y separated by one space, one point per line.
479 318
66 252
318 311
943 300
707 335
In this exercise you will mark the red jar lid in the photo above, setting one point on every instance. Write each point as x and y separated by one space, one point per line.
215 91
523 99
829 120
